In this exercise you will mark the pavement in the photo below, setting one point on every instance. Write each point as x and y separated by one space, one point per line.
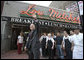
14 55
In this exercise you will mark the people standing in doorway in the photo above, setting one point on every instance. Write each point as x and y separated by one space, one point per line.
33 43
59 51
43 44
20 42
67 45
78 45
50 45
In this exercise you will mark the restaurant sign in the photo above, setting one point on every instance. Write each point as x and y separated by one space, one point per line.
54 15
41 22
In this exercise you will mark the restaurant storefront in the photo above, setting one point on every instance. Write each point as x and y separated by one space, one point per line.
17 17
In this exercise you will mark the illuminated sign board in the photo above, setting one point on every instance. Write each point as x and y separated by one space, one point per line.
54 15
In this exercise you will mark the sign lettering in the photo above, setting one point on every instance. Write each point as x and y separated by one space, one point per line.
54 15
41 22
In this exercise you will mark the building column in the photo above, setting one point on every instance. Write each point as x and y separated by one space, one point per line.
5 36
2 4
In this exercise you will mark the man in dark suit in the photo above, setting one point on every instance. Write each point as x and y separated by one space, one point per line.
33 43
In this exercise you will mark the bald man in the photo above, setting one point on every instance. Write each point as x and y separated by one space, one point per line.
33 44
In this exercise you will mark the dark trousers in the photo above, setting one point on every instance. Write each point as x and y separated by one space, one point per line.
43 51
33 54
54 51
47 54
30 54
68 53
50 52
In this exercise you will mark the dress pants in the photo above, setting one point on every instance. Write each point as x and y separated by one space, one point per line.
50 52
68 53
34 54
43 51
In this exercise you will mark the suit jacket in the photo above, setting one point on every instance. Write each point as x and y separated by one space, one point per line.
34 38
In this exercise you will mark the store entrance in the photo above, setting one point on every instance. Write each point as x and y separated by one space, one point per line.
16 29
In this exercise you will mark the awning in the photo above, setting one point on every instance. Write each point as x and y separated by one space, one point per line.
23 20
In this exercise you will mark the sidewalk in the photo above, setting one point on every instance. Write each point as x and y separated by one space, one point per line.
14 55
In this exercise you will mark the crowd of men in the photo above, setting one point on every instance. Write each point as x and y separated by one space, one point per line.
62 46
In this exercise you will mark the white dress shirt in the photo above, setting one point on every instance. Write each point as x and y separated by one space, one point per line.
41 38
72 37
68 37
50 38
78 46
